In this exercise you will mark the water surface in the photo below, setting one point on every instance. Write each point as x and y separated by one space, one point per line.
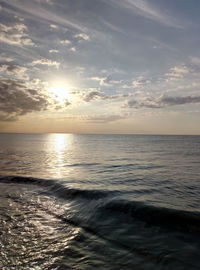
99 201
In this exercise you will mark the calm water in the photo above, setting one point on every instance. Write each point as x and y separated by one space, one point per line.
99 201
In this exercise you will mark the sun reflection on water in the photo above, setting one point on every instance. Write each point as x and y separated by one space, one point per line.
61 141
59 145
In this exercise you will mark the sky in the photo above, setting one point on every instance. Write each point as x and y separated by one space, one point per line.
100 66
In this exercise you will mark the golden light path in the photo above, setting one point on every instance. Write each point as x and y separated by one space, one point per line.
58 143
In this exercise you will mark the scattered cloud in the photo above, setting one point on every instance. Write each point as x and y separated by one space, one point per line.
53 51
100 51
110 81
6 59
178 72
21 19
65 42
137 83
15 35
107 80
82 36
195 61
72 49
142 103
18 71
53 26
141 81
96 94
126 86
99 79
161 102
46 62
171 101
93 95
17 99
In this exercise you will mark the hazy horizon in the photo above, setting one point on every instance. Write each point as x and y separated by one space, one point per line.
136 134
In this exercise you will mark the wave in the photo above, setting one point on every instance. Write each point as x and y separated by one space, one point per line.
110 206
135 165
57 188
155 215
81 164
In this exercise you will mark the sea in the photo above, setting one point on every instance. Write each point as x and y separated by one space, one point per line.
109 202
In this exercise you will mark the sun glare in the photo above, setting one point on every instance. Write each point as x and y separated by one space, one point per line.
60 91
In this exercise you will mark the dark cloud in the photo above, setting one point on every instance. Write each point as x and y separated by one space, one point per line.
17 99
16 70
98 95
161 102
179 100
144 103
93 95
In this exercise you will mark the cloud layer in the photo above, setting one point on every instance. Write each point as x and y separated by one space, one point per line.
16 99
161 102
15 35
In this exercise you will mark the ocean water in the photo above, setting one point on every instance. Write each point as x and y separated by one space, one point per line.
86 202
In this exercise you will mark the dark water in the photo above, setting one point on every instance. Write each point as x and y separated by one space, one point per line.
99 202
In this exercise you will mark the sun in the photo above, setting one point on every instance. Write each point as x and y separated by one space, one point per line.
60 91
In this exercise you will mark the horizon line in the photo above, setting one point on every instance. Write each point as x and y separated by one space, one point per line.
137 134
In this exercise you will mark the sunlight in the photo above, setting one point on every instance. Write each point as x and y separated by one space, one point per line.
60 142
60 91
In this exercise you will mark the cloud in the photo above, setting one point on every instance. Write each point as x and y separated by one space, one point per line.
21 19
6 59
46 62
53 51
72 49
101 80
177 72
137 83
18 71
82 36
195 61
65 42
142 103
171 101
107 80
126 86
161 102
15 35
17 99
53 26
96 94
93 95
